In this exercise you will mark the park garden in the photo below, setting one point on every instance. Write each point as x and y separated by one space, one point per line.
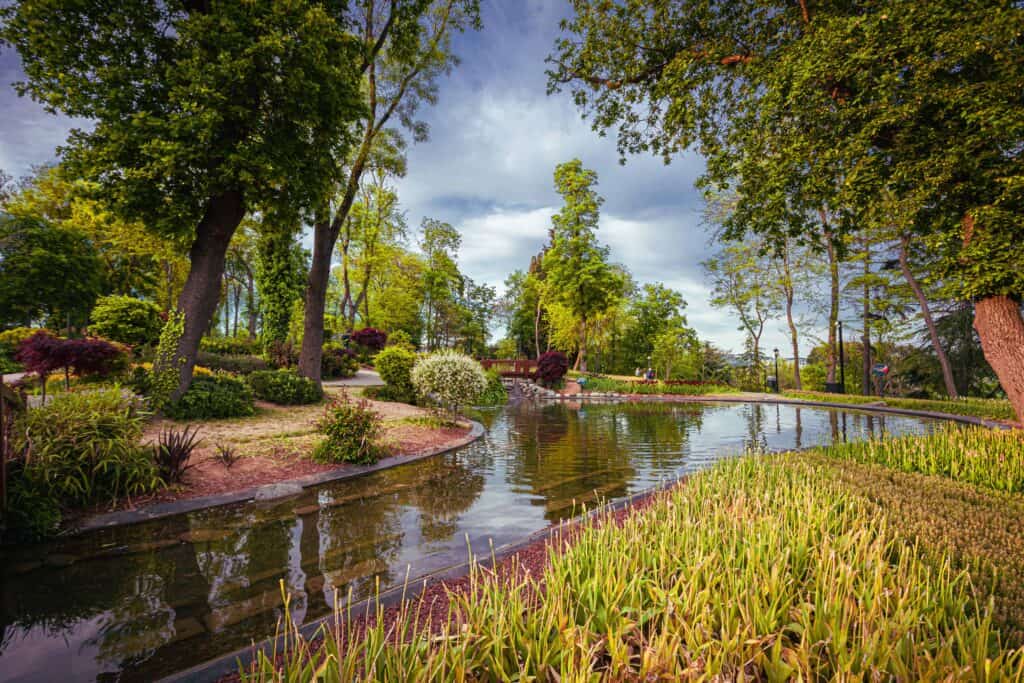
216 316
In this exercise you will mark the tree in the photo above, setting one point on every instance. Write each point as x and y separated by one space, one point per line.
201 112
47 272
411 50
280 270
672 345
578 273
655 309
922 120
441 280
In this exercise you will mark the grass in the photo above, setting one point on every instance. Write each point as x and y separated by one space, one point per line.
989 408
627 386
825 564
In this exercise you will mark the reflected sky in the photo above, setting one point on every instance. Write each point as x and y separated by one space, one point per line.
142 601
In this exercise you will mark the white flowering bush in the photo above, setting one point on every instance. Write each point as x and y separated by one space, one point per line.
451 378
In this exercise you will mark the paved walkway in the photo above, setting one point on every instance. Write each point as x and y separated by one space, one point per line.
363 378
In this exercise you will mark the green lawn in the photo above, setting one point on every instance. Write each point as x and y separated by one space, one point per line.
994 409
846 561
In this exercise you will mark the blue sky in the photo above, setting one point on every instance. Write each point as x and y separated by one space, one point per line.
496 137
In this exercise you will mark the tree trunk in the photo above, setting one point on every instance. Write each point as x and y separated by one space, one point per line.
833 311
583 347
250 283
316 296
866 336
198 299
536 329
1001 329
929 321
790 295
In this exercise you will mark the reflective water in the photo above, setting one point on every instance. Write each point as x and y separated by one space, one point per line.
142 601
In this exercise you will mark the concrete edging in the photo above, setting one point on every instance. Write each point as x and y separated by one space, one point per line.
144 514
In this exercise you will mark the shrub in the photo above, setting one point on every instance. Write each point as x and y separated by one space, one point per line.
401 338
213 396
453 379
83 448
173 451
10 340
495 393
395 364
338 362
230 346
351 430
284 387
42 353
233 363
370 338
127 320
551 367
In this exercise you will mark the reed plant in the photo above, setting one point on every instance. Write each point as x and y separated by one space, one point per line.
760 568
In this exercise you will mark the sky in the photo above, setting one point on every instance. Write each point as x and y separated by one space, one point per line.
495 139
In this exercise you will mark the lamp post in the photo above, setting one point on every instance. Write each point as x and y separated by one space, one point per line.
778 384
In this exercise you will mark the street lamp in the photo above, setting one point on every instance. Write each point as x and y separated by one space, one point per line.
778 384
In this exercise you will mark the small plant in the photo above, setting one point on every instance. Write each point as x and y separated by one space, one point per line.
338 362
401 338
551 367
227 455
352 430
395 364
213 396
495 394
173 451
451 378
370 338
284 387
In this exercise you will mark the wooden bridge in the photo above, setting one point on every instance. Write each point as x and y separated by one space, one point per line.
526 369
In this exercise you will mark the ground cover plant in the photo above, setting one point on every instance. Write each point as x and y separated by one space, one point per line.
854 578
991 408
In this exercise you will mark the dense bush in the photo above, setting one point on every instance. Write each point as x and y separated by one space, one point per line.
370 338
213 396
495 393
237 364
395 364
551 367
337 362
83 448
453 379
10 340
351 430
127 320
230 346
284 387
401 338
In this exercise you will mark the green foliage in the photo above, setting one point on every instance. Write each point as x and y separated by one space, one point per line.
495 393
991 408
451 378
284 387
235 364
10 340
211 397
683 388
401 338
280 277
47 272
338 362
351 431
163 380
33 513
395 364
172 453
229 346
83 448
126 319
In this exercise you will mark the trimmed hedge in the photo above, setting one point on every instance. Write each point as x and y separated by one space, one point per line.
213 396
284 387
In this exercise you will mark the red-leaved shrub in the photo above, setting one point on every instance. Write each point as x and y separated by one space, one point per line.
551 367
43 353
370 338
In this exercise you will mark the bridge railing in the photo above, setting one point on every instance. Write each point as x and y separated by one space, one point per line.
511 367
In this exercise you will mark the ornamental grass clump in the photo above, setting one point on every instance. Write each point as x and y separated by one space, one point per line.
762 568
451 379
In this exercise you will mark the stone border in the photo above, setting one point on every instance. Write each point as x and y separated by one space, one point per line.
291 487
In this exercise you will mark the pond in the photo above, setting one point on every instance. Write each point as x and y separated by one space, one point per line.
138 602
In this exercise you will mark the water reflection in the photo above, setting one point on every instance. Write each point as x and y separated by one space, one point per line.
139 602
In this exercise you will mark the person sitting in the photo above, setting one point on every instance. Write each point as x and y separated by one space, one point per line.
650 374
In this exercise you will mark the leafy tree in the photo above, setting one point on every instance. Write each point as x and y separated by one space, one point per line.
672 346
411 50
201 111
47 272
577 268
655 309
921 121
280 269
441 280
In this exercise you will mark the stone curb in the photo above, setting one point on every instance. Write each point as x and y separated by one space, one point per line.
159 510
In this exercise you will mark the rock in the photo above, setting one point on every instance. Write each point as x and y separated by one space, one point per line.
275 491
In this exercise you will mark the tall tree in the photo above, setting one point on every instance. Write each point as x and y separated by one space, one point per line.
441 280
924 115
201 111
280 273
411 50
578 273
